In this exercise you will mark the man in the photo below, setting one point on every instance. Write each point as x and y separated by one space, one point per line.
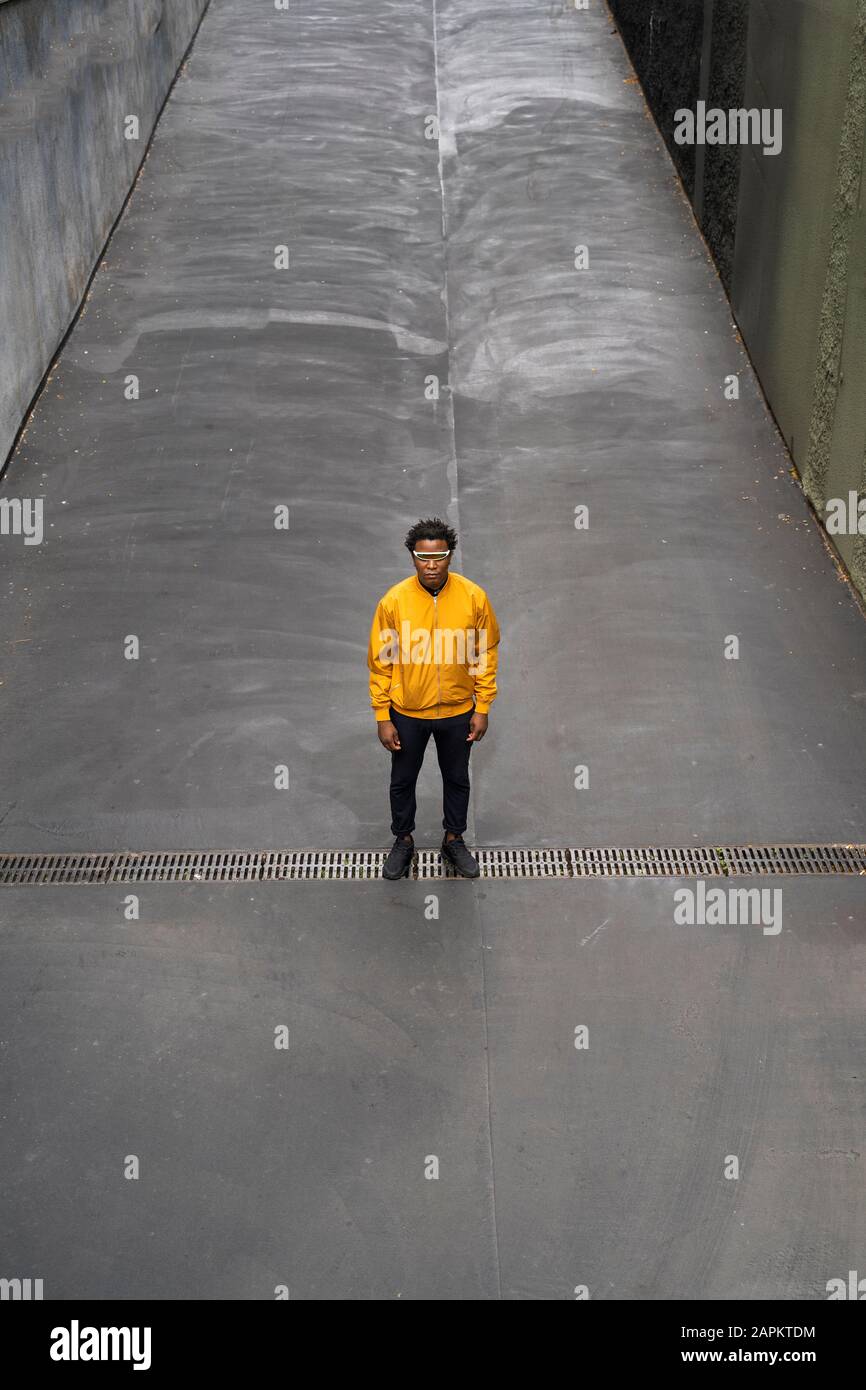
432 660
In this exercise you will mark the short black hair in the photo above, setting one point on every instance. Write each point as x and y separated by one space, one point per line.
432 529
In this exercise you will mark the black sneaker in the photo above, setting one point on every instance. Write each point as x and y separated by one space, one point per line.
399 860
456 852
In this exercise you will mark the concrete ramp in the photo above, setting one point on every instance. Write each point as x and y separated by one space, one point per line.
421 1090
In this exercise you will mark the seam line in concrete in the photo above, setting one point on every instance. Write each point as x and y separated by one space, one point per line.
490 1143
454 520
453 505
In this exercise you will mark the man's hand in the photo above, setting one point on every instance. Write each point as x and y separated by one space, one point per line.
477 728
388 736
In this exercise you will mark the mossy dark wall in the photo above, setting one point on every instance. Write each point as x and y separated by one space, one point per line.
788 231
727 73
663 38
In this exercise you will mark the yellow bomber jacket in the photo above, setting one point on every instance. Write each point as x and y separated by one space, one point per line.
433 656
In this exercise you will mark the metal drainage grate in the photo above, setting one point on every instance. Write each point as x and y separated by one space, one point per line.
654 862
190 866
793 859
501 863
233 866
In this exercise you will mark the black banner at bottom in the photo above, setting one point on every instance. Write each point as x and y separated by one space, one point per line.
160 1339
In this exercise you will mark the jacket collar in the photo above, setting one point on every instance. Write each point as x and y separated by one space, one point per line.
427 591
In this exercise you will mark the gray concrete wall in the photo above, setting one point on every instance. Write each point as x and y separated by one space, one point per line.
789 231
71 72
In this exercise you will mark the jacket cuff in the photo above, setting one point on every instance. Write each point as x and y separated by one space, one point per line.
382 715
482 706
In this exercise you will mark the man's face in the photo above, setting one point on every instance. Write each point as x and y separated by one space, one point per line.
432 568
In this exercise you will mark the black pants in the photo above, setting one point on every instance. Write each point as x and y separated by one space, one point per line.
452 750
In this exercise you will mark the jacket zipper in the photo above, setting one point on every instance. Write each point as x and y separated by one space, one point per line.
436 664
